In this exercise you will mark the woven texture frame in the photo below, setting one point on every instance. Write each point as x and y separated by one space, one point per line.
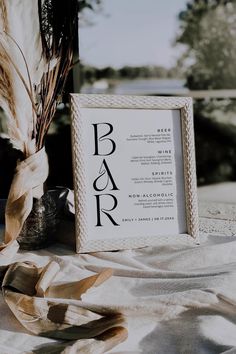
184 104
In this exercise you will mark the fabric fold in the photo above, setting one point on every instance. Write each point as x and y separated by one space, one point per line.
24 287
27 184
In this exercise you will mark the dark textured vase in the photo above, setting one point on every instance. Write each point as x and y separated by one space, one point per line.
40 227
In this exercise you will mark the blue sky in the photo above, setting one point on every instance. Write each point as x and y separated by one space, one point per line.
132 32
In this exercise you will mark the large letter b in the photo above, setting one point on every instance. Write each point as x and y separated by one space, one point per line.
110 146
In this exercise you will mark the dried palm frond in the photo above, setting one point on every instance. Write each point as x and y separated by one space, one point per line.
7 99
34 65
6 87
22 65
3 15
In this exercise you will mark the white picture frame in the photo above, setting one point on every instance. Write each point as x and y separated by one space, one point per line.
134 171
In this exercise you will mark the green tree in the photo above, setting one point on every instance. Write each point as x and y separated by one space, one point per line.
208 29
85 6
88 4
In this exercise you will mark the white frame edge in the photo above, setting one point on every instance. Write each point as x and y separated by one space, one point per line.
184 104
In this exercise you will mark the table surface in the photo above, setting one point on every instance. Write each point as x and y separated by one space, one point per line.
177 298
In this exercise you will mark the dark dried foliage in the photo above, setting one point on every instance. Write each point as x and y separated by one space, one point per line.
58 25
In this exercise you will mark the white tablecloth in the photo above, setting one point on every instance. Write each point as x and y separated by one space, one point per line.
178 298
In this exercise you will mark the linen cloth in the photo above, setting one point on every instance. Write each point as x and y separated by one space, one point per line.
178 298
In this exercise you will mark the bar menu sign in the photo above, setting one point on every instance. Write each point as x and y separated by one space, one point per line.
133 187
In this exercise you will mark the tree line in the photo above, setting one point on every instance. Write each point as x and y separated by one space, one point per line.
90 74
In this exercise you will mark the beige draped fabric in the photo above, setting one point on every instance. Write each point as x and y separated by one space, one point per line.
176 298
38 306
27 184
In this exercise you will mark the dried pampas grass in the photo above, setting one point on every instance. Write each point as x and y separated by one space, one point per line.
36 53
6 86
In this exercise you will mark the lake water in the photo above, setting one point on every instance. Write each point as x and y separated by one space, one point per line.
138 87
